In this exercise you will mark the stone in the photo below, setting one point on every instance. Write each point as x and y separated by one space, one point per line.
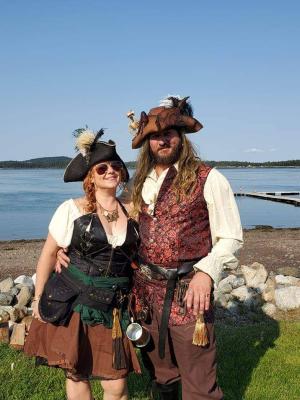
224 287
6 285
24 280
291 271
6 299
18 313
24 296
233 280
286 280
220 298
254 274
14 291
269 309
17 339
232 307
242 293
33 278
287 298
4 316
268 293
27 321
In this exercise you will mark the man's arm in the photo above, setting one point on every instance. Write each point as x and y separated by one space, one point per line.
227 239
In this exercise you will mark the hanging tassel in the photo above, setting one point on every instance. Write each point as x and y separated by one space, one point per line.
118 353
200 337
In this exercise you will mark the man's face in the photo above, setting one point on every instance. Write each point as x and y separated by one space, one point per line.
165 146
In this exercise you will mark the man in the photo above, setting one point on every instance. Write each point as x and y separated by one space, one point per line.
188 221
189 228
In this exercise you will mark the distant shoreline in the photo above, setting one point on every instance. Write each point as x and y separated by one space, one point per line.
61 162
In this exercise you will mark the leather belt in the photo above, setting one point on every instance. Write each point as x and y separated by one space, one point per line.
171 275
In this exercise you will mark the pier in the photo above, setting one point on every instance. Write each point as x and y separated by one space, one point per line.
281 197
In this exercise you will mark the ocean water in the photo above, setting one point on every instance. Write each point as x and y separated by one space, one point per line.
28 198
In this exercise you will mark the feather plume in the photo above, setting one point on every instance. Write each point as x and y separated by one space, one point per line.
84 140
178 101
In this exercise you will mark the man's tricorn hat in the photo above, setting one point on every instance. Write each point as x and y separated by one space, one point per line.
91 152
173 112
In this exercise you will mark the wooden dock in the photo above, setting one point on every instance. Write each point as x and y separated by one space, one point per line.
281 197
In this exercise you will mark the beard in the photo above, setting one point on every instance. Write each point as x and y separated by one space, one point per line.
169 159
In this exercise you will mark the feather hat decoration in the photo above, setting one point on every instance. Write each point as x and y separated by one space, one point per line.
86 140
177 101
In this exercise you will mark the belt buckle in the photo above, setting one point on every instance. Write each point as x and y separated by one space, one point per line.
145 270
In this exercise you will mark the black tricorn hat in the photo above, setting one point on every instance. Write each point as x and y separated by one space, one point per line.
91 153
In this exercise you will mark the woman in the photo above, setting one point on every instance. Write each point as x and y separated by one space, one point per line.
101 242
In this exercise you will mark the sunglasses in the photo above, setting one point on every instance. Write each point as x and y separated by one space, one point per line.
103 167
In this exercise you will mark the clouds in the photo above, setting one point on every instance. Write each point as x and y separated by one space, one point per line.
256 150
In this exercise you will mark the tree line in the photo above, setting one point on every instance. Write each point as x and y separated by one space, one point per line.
62 162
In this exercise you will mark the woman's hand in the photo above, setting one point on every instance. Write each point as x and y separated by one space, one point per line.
62 260
35 309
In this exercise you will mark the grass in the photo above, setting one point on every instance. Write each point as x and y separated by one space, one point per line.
256 362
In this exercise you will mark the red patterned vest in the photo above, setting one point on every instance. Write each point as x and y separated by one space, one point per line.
175 233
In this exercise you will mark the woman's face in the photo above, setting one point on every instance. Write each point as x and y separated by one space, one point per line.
107 174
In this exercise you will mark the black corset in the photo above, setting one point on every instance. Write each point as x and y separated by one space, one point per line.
92 254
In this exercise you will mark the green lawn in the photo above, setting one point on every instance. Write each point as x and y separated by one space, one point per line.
256 362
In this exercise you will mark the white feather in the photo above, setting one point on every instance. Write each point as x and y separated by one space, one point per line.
167 103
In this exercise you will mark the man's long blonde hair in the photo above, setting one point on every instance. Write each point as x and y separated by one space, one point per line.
185 180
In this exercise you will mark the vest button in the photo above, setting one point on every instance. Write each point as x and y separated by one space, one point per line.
154 219
151 240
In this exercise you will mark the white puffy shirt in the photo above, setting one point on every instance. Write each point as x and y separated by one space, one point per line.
62 224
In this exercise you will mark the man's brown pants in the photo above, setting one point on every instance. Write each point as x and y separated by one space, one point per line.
194 365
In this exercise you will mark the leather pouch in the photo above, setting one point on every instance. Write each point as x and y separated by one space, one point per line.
56 302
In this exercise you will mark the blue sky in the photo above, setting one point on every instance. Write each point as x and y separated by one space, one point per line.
65 64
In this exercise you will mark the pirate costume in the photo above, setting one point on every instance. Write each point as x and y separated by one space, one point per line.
177 239
88 342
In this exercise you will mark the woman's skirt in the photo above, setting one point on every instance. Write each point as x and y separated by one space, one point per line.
83 351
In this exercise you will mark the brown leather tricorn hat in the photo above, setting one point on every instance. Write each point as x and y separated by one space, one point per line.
174 113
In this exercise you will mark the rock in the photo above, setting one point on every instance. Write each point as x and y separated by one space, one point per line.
255 274
232 307
291 271
27 321
14 291
220 298
17 339
33 278
6 299
4 316
18 313
224 287
24 296
232 280
24 280
269 309
242 293
287 298
6 285
268 293
286 280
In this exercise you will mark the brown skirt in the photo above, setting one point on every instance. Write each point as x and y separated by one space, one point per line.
82 350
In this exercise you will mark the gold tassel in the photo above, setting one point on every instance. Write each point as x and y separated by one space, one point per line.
118 353
200 337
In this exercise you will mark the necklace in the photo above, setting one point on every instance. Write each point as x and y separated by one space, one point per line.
110 216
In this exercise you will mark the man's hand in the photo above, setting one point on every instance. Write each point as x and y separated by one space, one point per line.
198 294
62 260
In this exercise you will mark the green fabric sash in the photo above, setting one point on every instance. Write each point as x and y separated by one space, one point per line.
89 315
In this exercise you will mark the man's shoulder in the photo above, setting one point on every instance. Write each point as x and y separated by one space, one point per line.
204 169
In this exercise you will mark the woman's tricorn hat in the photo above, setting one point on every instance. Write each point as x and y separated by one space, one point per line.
173 112
91 153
